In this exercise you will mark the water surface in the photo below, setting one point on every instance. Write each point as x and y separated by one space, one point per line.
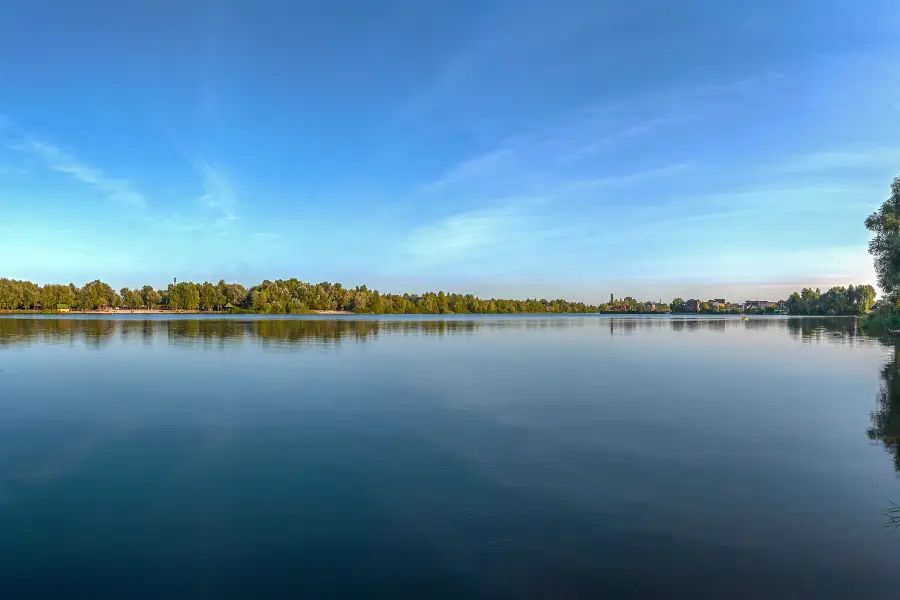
486 457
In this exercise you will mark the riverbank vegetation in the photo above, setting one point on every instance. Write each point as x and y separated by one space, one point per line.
269 297
884 247
851 300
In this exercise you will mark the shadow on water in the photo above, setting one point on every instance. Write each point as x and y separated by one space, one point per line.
98 332
885 419
884 428
806 329
286 332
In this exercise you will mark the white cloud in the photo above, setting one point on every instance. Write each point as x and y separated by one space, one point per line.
218 193
509 186
612 181
520 28
116 189
472 169
853 156
550 162
739 85
11 169
610 141
462 235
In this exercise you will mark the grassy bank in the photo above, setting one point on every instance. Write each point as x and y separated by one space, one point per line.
882 319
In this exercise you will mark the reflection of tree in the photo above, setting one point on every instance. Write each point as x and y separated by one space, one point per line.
679 323
291 333
628 325
843 330
885 427
810 329
94 332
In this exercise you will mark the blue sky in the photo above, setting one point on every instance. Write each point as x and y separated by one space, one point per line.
573 147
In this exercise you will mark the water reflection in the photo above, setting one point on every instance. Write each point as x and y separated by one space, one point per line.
291 332
834 330
528 466
282 333
885 427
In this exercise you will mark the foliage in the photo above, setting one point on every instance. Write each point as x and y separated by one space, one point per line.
851 300
280 296
884 246
885 317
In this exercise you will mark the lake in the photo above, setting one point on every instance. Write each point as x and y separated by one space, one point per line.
414 457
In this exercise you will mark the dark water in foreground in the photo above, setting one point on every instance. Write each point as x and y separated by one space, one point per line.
567 457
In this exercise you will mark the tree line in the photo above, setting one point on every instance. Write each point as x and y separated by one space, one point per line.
851 300
294 296
270 297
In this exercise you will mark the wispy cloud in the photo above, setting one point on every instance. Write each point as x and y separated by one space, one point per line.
848 261
55 158
473 168
610 141
562 157
11 169
270 240
218 193
858 156
462 235
613 181
501 33
754 202
507 196
740 84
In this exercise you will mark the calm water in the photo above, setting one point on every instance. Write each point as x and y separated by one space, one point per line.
565 457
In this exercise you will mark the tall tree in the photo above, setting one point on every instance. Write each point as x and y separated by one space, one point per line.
884 246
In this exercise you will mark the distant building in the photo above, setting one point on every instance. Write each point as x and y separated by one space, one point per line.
757 304
692 306
717 303
63 308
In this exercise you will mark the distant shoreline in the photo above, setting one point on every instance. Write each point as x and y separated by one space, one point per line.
156 311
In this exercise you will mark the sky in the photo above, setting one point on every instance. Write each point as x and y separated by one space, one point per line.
571 148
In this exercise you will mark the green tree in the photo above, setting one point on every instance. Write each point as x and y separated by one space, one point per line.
150 296
208 296
864 299
884 246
